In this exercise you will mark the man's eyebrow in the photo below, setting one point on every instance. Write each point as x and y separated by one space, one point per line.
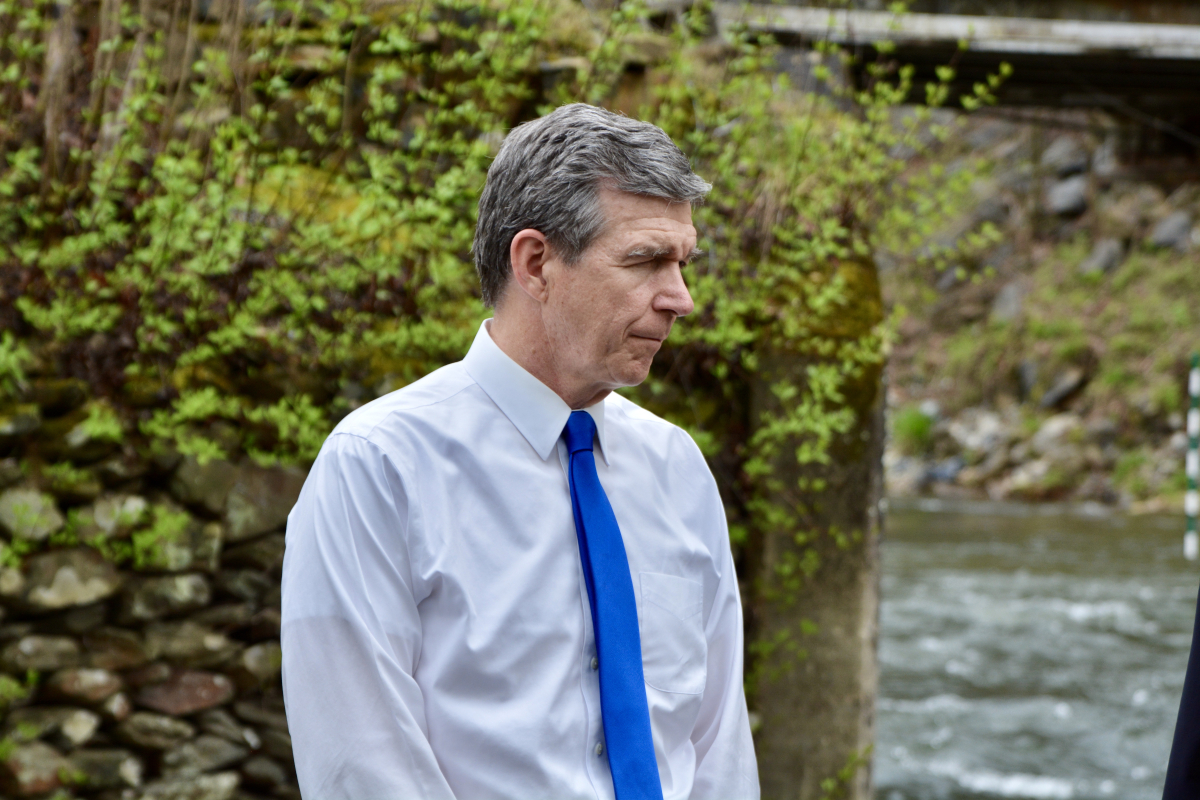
655 253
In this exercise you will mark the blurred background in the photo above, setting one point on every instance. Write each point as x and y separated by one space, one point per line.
939 362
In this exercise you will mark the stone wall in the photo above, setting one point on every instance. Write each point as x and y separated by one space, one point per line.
151 670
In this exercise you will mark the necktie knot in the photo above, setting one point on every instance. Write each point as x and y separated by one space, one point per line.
580 431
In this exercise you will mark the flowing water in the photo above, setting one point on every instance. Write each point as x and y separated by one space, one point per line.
1030 654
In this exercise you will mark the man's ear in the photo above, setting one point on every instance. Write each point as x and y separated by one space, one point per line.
529 253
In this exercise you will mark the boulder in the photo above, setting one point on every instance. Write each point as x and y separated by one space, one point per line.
260 500
42 653
219 786
82 685
261 715
18 421
196 547
154 731
978 430
1106 256
186 692
32 769
107 769
113 648
1065 156
220 722
205 753
68 727
1068 197
66 578
264 772
1055 431
205 485
29 514
153 598
1174 231
10 472
117 708
1008 302
243 584
1066 386
118 514
265 553
262 660
188 643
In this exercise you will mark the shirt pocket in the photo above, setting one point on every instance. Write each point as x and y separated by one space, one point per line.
674 650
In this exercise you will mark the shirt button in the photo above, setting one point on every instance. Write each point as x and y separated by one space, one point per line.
599 748
595 663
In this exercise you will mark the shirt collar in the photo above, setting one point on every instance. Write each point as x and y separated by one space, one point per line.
532 406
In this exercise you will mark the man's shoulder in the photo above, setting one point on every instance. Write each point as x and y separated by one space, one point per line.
418 398
657 433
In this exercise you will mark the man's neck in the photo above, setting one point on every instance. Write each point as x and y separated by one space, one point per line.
524 340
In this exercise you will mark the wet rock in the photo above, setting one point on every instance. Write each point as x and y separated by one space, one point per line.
107 769
74 486
18 421
205 485
243 584
68 728
153 598
264 772
65 578
1065 156
1008 303
224 616
32 769
82 685
188 643
154 731
220 786
261 714
10 472
186 692
42 653
262 660
116 515
1106 256
946 470
1174 231
1066 386
156 672
205 753
118 707
196 547
220 722
260 500
1068 197
278 744
1055 431
114 648
29 514
58 396
265 554
979 430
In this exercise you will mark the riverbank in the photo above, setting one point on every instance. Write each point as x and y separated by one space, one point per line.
1049 364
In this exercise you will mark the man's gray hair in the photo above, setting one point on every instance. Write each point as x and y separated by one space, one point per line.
548 174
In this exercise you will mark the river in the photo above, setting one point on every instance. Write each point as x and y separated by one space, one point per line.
1030 653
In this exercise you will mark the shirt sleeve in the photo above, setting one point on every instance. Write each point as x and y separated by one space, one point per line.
726 768
351 634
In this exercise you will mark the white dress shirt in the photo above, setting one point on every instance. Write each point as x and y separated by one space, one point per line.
437 639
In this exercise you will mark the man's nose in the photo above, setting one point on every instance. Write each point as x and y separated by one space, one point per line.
674 296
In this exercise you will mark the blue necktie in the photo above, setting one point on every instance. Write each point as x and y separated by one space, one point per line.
614 621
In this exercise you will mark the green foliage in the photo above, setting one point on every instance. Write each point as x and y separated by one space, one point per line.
14 358
912 430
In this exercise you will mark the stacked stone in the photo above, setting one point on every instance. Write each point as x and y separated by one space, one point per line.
157 678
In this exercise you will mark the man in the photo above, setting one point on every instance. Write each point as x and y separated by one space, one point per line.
504 581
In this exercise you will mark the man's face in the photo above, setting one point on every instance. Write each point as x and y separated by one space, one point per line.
608 314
